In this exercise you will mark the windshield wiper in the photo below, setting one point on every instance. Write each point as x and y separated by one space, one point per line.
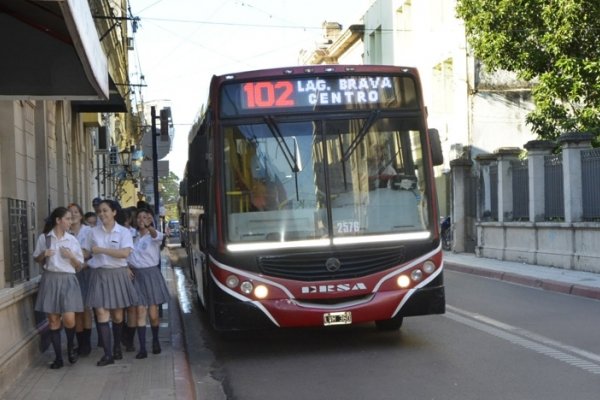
287 153
361 134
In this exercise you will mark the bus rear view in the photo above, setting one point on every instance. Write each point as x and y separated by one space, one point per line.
319 204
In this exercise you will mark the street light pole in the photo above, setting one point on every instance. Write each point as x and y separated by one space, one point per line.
155 165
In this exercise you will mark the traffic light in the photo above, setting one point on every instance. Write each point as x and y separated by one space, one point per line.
165 123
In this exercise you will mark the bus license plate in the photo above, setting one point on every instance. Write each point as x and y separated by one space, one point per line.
337 318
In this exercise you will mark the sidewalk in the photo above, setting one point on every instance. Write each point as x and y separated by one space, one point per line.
578 283
167 375
158 377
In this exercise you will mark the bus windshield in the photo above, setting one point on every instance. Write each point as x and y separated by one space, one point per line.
336 179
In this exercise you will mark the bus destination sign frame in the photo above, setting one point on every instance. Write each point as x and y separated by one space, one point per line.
302 94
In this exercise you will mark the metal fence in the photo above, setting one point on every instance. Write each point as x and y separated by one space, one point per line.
494 191
590 176
554 203
520 190
17 270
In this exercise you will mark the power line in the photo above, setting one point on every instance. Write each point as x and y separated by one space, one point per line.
245 25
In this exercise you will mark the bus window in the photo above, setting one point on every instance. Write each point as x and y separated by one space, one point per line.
376 189
270 188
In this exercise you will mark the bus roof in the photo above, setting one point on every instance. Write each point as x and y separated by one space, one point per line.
310 70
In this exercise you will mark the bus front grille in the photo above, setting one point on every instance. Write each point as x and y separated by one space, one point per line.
315 266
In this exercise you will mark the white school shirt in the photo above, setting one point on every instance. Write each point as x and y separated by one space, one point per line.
146 251
118 238
83 234
58 263
134 232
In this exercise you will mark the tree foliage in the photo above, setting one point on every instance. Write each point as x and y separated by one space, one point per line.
169 189
169 193
556 43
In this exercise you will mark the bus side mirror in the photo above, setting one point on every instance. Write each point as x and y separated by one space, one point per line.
437 157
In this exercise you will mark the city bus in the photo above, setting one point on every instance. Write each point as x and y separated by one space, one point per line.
311 201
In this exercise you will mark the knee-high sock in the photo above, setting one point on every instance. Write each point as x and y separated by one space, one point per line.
155 333
117 329
87 336
70 335
141 332
106 338
100 344
55 340
129 335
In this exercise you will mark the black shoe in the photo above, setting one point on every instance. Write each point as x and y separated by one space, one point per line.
57 364
141 355
72 356
117 353
156 348
129 348
105 361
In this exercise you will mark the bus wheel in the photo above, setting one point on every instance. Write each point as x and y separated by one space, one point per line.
389 324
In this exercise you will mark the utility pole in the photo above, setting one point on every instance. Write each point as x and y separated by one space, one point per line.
155 165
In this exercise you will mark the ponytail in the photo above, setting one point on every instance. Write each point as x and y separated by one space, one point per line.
50 222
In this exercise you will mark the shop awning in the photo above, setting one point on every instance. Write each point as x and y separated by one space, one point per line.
51 51
114 104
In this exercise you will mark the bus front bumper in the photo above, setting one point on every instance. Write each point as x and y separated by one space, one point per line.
231 313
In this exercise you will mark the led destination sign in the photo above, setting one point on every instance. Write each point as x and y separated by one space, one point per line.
305 94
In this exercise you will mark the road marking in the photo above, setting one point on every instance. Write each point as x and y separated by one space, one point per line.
579 358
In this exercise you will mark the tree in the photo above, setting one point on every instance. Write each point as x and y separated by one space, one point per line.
555 44
169 194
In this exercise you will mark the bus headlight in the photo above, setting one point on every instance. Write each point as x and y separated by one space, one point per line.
261 292
246 287
428 267
403 281
416 275
232 281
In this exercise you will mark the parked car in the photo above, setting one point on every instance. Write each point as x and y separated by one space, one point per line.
173 228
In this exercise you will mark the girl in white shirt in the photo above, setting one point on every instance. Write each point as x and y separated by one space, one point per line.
148 279
83 320
59 294
110 289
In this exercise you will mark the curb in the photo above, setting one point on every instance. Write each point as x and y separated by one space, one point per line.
182 371
184 388
545 284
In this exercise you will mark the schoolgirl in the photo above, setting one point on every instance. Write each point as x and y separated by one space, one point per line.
148 280
59 294
110 289
129 326
83 320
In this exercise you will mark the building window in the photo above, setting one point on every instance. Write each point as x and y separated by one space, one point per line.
17 268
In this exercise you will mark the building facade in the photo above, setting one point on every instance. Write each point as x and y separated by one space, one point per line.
65 125
475 112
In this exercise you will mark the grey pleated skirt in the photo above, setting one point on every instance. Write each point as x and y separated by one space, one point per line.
59 292
110 288
83 276
150 286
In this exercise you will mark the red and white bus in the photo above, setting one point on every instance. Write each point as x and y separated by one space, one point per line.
310 199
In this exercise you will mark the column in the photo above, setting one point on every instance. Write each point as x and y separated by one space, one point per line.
572 143
536 151
460 167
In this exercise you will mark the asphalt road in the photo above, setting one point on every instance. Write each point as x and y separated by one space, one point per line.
496 341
